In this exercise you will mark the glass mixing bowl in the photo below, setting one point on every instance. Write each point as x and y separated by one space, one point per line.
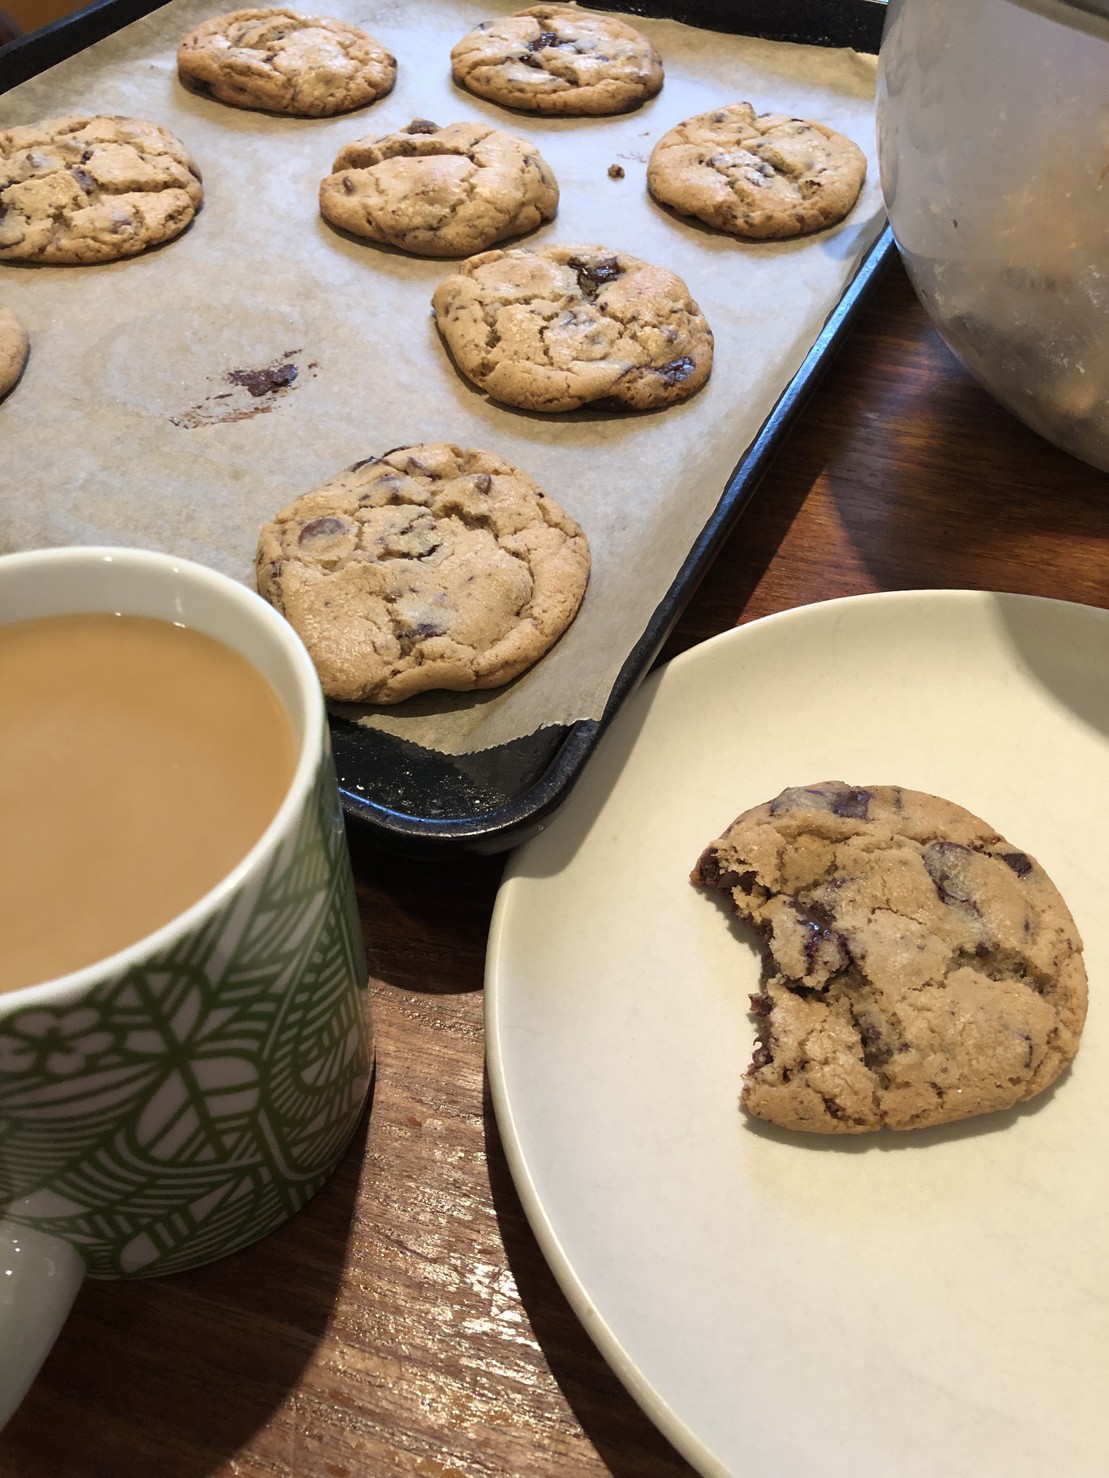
993 146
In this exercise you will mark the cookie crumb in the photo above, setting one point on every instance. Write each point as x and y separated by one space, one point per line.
616 171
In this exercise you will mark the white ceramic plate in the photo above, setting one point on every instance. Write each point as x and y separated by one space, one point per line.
882 1306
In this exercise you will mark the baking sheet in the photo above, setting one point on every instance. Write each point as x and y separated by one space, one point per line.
126 428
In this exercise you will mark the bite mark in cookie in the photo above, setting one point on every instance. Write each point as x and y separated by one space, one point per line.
920 969
560 327
558 59
765 177
440 192
428 567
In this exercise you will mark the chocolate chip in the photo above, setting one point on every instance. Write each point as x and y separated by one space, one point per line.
853 804
421 125
816 923
677 370
482 482
592 276
318 527
1020 864
545 39
762 1056
723 879
876 1053
945 864
84 179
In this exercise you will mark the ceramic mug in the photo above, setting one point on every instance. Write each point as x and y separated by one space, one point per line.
183 1097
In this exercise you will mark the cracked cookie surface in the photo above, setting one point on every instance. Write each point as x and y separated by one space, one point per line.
428 567
765 177
13 350
560 327
278 61
92 189
440 192
558 59
920 969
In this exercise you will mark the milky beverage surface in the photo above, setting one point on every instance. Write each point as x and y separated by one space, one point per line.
139 763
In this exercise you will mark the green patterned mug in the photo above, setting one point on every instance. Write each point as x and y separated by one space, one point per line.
183 1097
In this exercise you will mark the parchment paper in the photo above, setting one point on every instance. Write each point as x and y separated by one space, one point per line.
126 429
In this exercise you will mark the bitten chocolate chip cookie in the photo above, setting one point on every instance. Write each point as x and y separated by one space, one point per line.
558 59
920 968
75 190
765 177
277 61
429 567
440 192
13 350
566 326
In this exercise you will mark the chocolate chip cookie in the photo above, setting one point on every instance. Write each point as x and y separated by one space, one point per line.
765 177
13 350
78 189
277 61
440 192
567 326
428 567
920 969
558 59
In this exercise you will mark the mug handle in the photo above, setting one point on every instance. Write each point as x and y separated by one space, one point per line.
39 1279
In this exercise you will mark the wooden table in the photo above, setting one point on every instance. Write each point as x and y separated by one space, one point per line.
405 1322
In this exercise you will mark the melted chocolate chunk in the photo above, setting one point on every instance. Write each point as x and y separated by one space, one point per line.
263 381
853 804
840 800
592 276
424 629
712 875
677 370
943 861
876 1053
816 921
317 527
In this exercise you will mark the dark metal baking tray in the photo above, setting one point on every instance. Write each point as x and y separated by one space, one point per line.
420 801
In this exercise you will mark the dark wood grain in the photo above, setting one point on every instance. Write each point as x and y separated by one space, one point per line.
405 1322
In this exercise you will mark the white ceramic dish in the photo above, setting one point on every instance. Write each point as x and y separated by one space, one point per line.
788 1307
